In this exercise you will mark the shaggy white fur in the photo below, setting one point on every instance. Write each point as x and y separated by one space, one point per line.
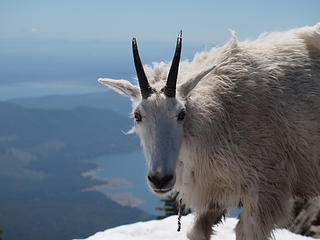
251 132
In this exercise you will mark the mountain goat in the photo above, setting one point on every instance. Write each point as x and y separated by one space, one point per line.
238 127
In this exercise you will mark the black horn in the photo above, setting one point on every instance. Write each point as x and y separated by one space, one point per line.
170 88
145 88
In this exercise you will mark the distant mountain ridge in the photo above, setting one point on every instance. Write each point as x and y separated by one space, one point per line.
98 128
41 182
102 100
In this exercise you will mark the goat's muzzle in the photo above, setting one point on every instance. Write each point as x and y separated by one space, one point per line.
161 183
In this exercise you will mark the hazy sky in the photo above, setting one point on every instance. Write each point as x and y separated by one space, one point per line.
201 21
67 44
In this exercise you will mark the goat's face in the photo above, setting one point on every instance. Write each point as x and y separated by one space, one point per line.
159 117
159 123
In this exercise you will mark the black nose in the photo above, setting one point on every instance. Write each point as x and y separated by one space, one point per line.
160 181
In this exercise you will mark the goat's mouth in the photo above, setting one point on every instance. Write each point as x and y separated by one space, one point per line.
162 191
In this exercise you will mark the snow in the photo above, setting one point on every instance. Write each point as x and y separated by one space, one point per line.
167 229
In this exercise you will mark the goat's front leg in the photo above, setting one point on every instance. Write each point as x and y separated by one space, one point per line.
202 228
258 219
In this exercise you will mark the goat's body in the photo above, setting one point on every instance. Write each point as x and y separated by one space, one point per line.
247 134
252 133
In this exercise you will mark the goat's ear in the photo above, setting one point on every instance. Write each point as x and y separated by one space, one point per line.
185 88
123 87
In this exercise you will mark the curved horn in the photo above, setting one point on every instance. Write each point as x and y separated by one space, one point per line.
170 88
145 88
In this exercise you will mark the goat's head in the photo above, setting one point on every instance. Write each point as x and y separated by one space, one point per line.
159 117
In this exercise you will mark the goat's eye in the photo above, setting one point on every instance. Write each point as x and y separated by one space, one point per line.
181 115
138 117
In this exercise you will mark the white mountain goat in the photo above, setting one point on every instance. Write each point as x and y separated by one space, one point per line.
238 126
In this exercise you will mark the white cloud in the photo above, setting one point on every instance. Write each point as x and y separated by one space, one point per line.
34 30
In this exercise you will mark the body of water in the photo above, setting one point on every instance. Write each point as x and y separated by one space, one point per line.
131 167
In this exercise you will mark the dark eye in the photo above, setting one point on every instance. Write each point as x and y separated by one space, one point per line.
137 116
181 115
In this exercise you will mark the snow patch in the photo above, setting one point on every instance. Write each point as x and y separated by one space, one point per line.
167 229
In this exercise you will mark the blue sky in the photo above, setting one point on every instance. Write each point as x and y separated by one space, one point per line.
69 43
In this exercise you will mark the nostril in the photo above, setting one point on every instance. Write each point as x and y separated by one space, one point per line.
154 180
167 179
